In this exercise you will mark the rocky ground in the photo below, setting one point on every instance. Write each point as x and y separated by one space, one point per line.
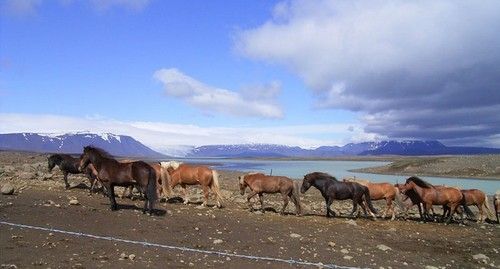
39 199
477 166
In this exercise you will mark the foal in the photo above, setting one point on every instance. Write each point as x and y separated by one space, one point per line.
259 184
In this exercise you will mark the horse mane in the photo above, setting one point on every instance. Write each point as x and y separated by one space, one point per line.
323 175
419 182
173 164
99 151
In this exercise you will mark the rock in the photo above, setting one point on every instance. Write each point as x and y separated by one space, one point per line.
293 235
47 176
481 258
7 189
73 185
131 256
383 247
331 244
344 251
218 241
74 202
347 257
431 267
351 222
123 255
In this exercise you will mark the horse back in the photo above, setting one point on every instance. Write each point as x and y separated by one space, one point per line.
261 183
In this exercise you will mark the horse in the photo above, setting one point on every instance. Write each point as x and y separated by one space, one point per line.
379 191
332 189
259 184
69 165
161 177
186 174
431 195
479 199
112 173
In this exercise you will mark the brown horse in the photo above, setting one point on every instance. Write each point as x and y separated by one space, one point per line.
430 195
479 199
379 191
161 177
112 173
185 174
259 184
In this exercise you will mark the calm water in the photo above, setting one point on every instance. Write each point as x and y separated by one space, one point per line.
339 169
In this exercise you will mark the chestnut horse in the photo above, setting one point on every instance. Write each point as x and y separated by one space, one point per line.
431 195
259 183
112 173
479 199
379 191
69 165
185 174
332 189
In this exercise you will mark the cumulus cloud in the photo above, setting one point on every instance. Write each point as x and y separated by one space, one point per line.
164 136
413 69
257 101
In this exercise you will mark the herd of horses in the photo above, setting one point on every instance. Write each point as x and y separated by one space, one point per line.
158 179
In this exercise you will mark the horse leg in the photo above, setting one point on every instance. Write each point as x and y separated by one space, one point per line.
66 179
285 203
261 199
329 212
146 202
185 193
480 207
205 195
111 194
250 195
453 208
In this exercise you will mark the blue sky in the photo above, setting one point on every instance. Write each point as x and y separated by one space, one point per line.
302 73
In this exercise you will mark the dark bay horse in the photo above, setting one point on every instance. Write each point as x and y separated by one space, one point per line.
450 198
112 173
69 165
380 191
332 189
186 174
259 183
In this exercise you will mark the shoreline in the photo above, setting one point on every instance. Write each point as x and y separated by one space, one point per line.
361 170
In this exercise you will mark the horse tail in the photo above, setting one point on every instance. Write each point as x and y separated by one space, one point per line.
216 188
166 183
151 194
368 200
296 196
486 204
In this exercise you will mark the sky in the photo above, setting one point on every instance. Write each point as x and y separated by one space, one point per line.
301 73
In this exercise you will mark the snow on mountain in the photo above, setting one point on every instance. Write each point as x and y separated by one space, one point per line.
118 145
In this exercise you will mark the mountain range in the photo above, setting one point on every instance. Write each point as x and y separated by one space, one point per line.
122 145
73 143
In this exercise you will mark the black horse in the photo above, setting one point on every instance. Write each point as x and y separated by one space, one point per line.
112 173
332 189
69 165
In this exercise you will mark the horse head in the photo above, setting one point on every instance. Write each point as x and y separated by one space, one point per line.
306 183
242 183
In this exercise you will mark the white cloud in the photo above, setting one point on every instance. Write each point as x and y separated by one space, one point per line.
164 136
435 59
20 7
259 101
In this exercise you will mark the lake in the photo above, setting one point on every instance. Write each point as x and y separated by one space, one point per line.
340 169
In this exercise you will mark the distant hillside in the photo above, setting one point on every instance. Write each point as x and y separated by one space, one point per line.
118 145
410 148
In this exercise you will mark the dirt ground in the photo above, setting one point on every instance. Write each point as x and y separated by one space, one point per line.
41 200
